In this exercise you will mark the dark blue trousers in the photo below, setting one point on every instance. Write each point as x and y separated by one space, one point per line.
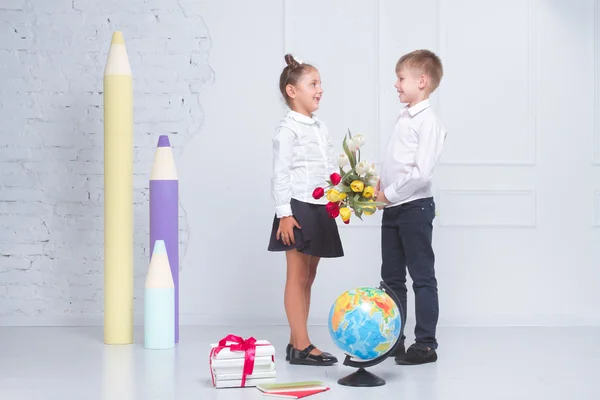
406 236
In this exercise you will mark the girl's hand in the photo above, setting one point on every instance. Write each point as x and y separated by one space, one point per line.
286 230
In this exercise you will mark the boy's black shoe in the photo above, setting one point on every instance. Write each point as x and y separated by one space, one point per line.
400 351
417 354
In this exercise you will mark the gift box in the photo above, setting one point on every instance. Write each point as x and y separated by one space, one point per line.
237 362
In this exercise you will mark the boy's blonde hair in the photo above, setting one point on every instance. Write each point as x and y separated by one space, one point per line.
426 62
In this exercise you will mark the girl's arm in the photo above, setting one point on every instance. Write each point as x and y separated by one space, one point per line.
281 187
333 162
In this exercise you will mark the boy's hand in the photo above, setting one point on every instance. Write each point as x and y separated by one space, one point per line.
380 198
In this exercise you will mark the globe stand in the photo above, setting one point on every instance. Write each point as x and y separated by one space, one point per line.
362 377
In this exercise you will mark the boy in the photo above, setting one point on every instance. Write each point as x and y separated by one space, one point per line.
405 187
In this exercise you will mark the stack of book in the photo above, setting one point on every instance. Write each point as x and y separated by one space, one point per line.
227 367
293 390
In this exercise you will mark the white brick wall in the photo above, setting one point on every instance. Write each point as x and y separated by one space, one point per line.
52 56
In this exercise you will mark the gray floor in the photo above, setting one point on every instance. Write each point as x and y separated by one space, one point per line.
475 363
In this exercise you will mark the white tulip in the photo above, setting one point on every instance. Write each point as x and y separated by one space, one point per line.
371 169
373 181
361 168
359 140
343 160
351 145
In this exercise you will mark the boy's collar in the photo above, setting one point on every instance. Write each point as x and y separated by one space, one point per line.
302 118
417 108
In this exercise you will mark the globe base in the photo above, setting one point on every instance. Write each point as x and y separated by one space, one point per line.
361 378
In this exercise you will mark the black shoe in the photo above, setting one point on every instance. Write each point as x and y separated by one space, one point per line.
304 357
417 354
288 350
400 351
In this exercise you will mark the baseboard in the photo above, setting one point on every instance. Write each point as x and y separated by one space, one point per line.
194 319
138 320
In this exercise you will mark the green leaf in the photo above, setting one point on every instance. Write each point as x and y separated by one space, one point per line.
359 213
347 174
349 154
349 178
369 203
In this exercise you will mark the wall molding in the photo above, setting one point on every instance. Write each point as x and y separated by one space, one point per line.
532 88
378 91
596 150
202 320
596 223
529 195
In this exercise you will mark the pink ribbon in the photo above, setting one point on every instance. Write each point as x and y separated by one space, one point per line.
236 343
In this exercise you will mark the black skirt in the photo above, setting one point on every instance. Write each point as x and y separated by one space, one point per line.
319 235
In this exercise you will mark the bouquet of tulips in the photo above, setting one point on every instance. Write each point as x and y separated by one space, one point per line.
350 191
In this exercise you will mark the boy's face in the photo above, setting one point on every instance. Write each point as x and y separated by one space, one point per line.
410 85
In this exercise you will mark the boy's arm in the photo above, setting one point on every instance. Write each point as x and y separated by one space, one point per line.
281 185
431 141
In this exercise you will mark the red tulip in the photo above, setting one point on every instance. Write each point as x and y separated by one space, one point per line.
318 193
335 178
333 209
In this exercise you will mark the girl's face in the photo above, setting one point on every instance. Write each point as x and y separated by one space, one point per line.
306 94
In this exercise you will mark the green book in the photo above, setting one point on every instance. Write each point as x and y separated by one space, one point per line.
291 386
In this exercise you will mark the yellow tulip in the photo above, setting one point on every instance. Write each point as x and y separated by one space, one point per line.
333 195
357 186
345 214
369 210
342 196
368 192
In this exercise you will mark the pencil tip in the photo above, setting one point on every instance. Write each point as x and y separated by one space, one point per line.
163 141
117 38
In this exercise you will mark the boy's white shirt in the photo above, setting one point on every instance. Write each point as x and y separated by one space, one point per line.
303 159
411 155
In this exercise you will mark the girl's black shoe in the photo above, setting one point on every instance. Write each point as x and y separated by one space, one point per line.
304 357
288 350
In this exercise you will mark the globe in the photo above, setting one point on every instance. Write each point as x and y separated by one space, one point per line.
365 323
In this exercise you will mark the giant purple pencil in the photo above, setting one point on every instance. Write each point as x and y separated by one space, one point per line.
164 212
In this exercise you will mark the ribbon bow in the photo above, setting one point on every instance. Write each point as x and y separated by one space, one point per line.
237 343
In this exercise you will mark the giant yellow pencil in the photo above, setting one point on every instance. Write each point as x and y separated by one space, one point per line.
118 195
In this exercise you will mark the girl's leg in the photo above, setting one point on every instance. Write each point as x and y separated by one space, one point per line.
301 272
313 263
294 297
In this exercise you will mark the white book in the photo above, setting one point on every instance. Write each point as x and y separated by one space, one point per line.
236 365
233 383
263 348
238 376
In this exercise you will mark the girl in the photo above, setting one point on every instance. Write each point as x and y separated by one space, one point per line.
302 161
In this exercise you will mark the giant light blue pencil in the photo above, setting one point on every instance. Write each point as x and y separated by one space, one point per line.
159 301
